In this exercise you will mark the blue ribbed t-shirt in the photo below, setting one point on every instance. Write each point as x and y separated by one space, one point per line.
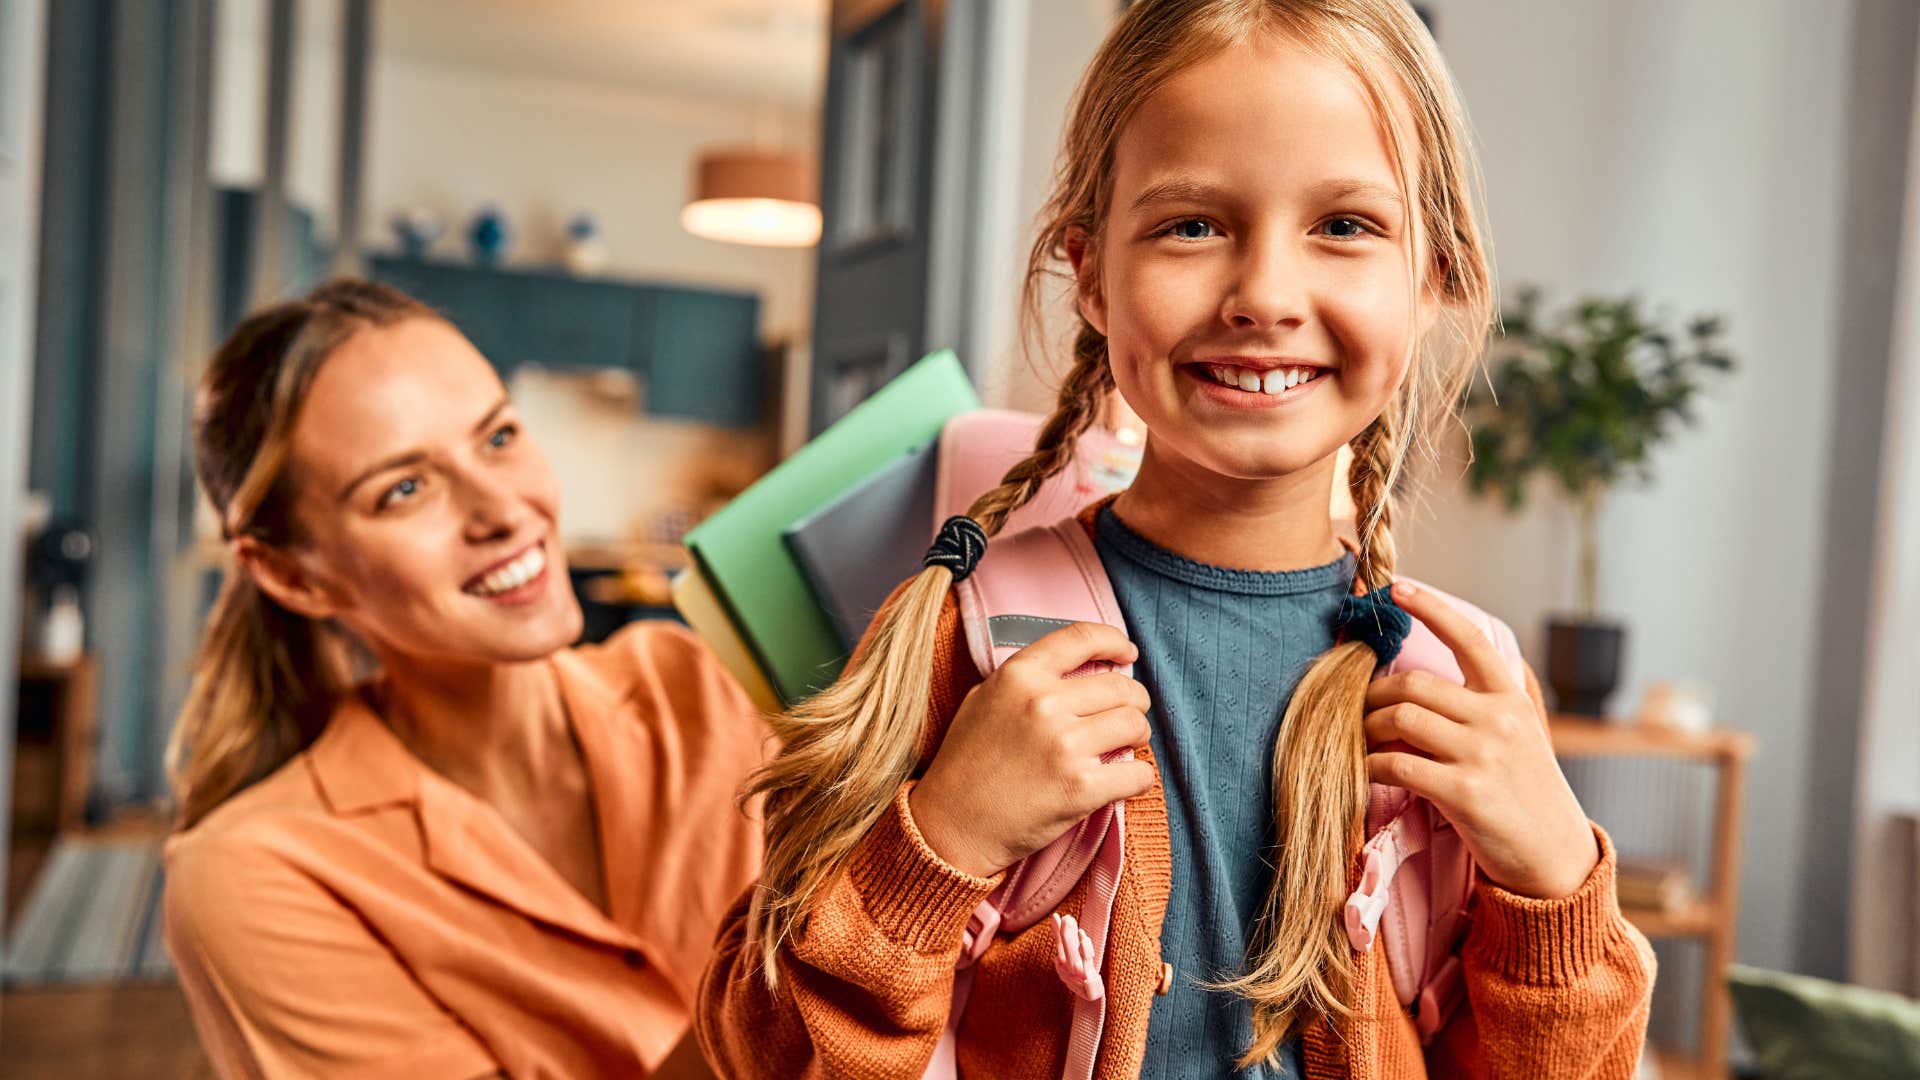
1220 651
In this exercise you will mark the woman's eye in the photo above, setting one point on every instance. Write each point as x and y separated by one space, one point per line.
1190 229
503 435
405 489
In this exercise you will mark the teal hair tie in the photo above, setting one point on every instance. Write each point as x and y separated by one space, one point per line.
1374 618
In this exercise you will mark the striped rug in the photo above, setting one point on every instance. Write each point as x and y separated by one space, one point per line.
93 916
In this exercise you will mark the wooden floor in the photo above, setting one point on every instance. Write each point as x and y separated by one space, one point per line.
112 1030
93 1033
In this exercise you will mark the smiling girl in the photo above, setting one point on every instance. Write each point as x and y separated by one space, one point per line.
495 855
1264 205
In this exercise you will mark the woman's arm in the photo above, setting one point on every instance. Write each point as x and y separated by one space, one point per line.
284 980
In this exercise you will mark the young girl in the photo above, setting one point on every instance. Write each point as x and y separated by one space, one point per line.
1265 206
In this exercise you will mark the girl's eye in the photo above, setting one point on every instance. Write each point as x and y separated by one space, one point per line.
405 489
1190 229
1345 228
503 436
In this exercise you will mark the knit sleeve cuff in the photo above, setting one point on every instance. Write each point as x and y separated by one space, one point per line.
912 895
1551 942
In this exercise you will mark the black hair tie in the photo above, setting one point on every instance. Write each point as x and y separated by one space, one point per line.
1374 618
958 547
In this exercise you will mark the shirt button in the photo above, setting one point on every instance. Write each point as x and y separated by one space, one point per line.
1166 980
633 957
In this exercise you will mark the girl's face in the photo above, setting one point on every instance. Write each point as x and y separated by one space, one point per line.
1252 277
429 517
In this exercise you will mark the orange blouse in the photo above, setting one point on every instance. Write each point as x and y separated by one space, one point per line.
355 914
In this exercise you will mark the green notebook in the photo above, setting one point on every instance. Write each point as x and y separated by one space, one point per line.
741 550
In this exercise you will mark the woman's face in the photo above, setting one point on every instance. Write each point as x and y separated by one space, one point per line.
429 519
1252 277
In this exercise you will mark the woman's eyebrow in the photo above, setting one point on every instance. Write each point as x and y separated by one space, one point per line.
396 461
411 457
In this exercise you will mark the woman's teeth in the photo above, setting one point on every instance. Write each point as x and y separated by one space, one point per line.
514 574
1277 381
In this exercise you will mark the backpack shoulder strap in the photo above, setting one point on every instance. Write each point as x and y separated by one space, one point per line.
1029 584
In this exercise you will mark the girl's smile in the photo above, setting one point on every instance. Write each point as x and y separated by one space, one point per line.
1255 382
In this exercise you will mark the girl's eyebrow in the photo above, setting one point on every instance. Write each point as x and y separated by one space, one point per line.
1185 189
1180 189
1349 188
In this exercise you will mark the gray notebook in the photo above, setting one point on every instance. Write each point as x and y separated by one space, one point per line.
854 550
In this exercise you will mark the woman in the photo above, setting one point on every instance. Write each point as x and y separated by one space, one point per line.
496 854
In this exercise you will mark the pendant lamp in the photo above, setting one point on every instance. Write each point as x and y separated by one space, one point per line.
763 197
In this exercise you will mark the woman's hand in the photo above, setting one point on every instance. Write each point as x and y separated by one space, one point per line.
1021 761
1482 756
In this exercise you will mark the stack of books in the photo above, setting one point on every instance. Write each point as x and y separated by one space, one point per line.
847 518
785 578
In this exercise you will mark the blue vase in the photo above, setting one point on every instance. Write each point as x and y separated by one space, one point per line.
490 235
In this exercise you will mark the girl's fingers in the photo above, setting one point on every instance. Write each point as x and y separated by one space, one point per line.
1115 729
1116 780
1420 728
1479 661
1074 645
1425 777
1427 690
1092 694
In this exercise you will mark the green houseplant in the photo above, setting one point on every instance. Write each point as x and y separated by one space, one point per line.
1583 395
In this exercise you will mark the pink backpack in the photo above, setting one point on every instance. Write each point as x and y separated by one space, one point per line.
1416 874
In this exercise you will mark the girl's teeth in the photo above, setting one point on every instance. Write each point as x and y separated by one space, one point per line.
1277 381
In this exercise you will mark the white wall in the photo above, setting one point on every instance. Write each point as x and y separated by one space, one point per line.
1689 152
1885 929
451 137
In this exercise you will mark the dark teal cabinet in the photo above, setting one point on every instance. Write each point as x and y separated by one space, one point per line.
697 350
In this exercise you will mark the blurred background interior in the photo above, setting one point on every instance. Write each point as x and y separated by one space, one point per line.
553 175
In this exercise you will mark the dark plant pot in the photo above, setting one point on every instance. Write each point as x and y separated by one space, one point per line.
1583 664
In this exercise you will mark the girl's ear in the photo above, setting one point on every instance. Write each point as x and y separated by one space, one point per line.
280 575
1086 279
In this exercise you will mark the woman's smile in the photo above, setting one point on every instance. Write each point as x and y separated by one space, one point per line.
517 580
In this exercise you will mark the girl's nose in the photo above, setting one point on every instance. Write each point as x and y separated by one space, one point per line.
1269 290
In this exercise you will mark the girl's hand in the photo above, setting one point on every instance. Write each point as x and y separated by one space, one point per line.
1483 757
1021 761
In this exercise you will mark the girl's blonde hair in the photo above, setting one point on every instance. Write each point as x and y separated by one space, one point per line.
847 750
264 677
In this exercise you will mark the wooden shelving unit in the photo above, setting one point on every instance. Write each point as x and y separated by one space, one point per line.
1711 918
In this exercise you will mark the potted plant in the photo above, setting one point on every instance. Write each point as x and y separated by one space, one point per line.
1584 395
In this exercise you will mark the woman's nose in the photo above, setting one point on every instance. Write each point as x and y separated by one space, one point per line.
1269 289
494 507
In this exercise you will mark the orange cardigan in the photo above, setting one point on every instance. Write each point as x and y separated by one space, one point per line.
1555 988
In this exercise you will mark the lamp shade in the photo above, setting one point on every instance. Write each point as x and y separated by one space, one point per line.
754 197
